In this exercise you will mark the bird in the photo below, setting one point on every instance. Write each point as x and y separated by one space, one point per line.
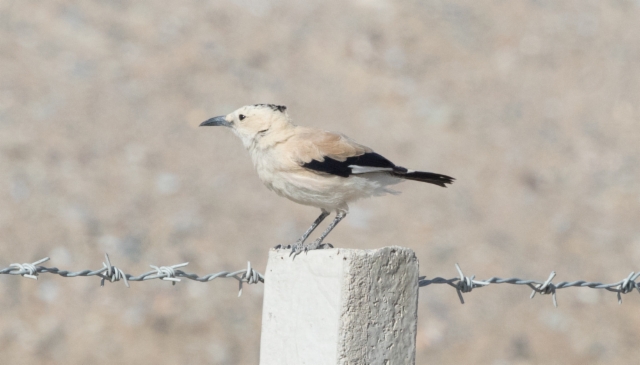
314 167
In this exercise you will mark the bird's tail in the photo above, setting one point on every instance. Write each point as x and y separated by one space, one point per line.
428 177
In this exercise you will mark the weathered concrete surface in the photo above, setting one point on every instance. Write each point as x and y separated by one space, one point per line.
340 306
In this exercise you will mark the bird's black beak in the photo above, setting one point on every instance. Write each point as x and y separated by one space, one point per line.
215 121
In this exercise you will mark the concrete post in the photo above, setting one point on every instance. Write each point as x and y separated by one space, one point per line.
340 306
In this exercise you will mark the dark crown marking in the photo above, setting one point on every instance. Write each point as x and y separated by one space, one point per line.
280 108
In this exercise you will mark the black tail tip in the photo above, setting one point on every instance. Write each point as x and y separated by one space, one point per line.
446 180
428 177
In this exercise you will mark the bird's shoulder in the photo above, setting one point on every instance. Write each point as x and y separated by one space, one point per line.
316 144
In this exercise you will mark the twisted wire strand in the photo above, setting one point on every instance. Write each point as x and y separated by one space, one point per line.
112 273
464 284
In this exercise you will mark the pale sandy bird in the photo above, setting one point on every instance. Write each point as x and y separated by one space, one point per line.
314 167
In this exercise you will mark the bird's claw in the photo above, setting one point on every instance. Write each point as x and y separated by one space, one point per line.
296 249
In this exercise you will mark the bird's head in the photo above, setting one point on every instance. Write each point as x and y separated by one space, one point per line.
253 121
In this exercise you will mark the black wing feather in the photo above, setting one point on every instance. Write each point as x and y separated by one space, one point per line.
341 168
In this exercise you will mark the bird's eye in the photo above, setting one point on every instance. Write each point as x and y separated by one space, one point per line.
241 116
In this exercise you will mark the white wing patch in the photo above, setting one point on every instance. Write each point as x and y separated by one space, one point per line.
355 169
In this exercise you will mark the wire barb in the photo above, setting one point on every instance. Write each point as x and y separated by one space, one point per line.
112 274
546 288
249 276
627 285
27 270
167 273
465 284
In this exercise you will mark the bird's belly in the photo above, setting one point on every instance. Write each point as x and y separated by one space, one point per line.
322 191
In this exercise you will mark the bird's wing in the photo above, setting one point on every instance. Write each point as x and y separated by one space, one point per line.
336 154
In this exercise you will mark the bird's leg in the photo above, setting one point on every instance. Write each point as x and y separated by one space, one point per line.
313 226
299 243
318 243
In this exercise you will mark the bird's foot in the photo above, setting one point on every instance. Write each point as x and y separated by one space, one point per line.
278 247
296 248
310 247
299 247
317 246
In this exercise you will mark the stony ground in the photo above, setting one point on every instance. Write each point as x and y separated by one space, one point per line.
532 106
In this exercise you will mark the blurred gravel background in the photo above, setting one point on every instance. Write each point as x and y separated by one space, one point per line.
531 105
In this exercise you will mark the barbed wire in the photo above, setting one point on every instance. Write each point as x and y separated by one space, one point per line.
112 273
464 284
